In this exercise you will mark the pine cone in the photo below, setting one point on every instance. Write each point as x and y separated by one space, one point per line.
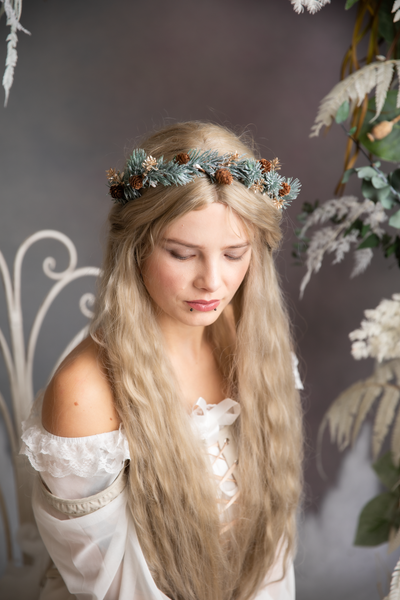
285 189
223 176
117 191
265 165
182 158
136 181
111 174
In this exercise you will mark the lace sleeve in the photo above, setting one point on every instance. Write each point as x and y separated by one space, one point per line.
60 456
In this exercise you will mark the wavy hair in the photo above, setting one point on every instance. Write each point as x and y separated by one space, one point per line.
172 494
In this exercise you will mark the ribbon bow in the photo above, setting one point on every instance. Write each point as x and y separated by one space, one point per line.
208 419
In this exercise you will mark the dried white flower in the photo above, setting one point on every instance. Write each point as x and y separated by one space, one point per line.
341 245
331 239
354 88
379 335
374 217
362 260
312 6
348 205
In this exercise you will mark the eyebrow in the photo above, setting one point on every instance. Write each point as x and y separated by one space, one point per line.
187 245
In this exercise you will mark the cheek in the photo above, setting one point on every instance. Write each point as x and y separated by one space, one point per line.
240 275
161 279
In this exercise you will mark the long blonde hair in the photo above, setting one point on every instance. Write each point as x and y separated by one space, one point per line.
172 496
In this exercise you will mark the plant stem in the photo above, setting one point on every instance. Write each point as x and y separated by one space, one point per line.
393 45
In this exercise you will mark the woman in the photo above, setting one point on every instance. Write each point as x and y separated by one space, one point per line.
146 489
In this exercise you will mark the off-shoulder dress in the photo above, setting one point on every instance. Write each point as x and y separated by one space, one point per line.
80 505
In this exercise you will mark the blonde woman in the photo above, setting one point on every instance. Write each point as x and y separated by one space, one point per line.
169 443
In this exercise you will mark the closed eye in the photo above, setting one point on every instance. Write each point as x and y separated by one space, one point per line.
178 256
234 257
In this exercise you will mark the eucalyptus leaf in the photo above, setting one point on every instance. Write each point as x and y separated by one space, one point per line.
386 198
366 173
375 520
389 147
347 174
349 4
368 191
378 182
352 130
372 241
342 112
394 220
385 193
387 472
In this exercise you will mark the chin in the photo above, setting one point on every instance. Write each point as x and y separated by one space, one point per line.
202 318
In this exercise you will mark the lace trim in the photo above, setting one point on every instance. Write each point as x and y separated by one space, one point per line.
62 456
105 452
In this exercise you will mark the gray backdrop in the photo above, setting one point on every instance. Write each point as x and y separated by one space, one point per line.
92 77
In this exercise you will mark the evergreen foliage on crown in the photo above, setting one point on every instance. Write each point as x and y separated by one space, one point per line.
143 171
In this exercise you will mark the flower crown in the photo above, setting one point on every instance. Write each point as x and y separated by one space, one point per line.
143 171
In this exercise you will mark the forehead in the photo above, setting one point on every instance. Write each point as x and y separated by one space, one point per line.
214 222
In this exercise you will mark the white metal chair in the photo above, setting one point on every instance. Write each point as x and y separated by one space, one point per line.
27 559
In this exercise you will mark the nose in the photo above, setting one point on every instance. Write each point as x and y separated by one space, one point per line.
208 277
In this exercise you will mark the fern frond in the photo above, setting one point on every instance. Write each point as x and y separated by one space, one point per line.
394 593
371 394
396 10
384 417
312 6
341 414
354 88
383 79
348 412
345 424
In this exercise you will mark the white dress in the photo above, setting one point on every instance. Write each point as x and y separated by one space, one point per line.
98 554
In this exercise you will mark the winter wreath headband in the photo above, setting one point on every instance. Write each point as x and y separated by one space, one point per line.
143 171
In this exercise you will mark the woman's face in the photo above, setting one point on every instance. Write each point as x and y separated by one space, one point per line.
198 265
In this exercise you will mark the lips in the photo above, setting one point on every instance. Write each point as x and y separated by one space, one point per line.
203 305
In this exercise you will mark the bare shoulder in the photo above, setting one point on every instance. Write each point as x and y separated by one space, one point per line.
79 401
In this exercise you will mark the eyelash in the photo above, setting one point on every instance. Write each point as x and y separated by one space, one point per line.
182 258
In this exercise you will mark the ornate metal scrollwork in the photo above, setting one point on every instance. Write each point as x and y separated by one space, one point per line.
19 357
